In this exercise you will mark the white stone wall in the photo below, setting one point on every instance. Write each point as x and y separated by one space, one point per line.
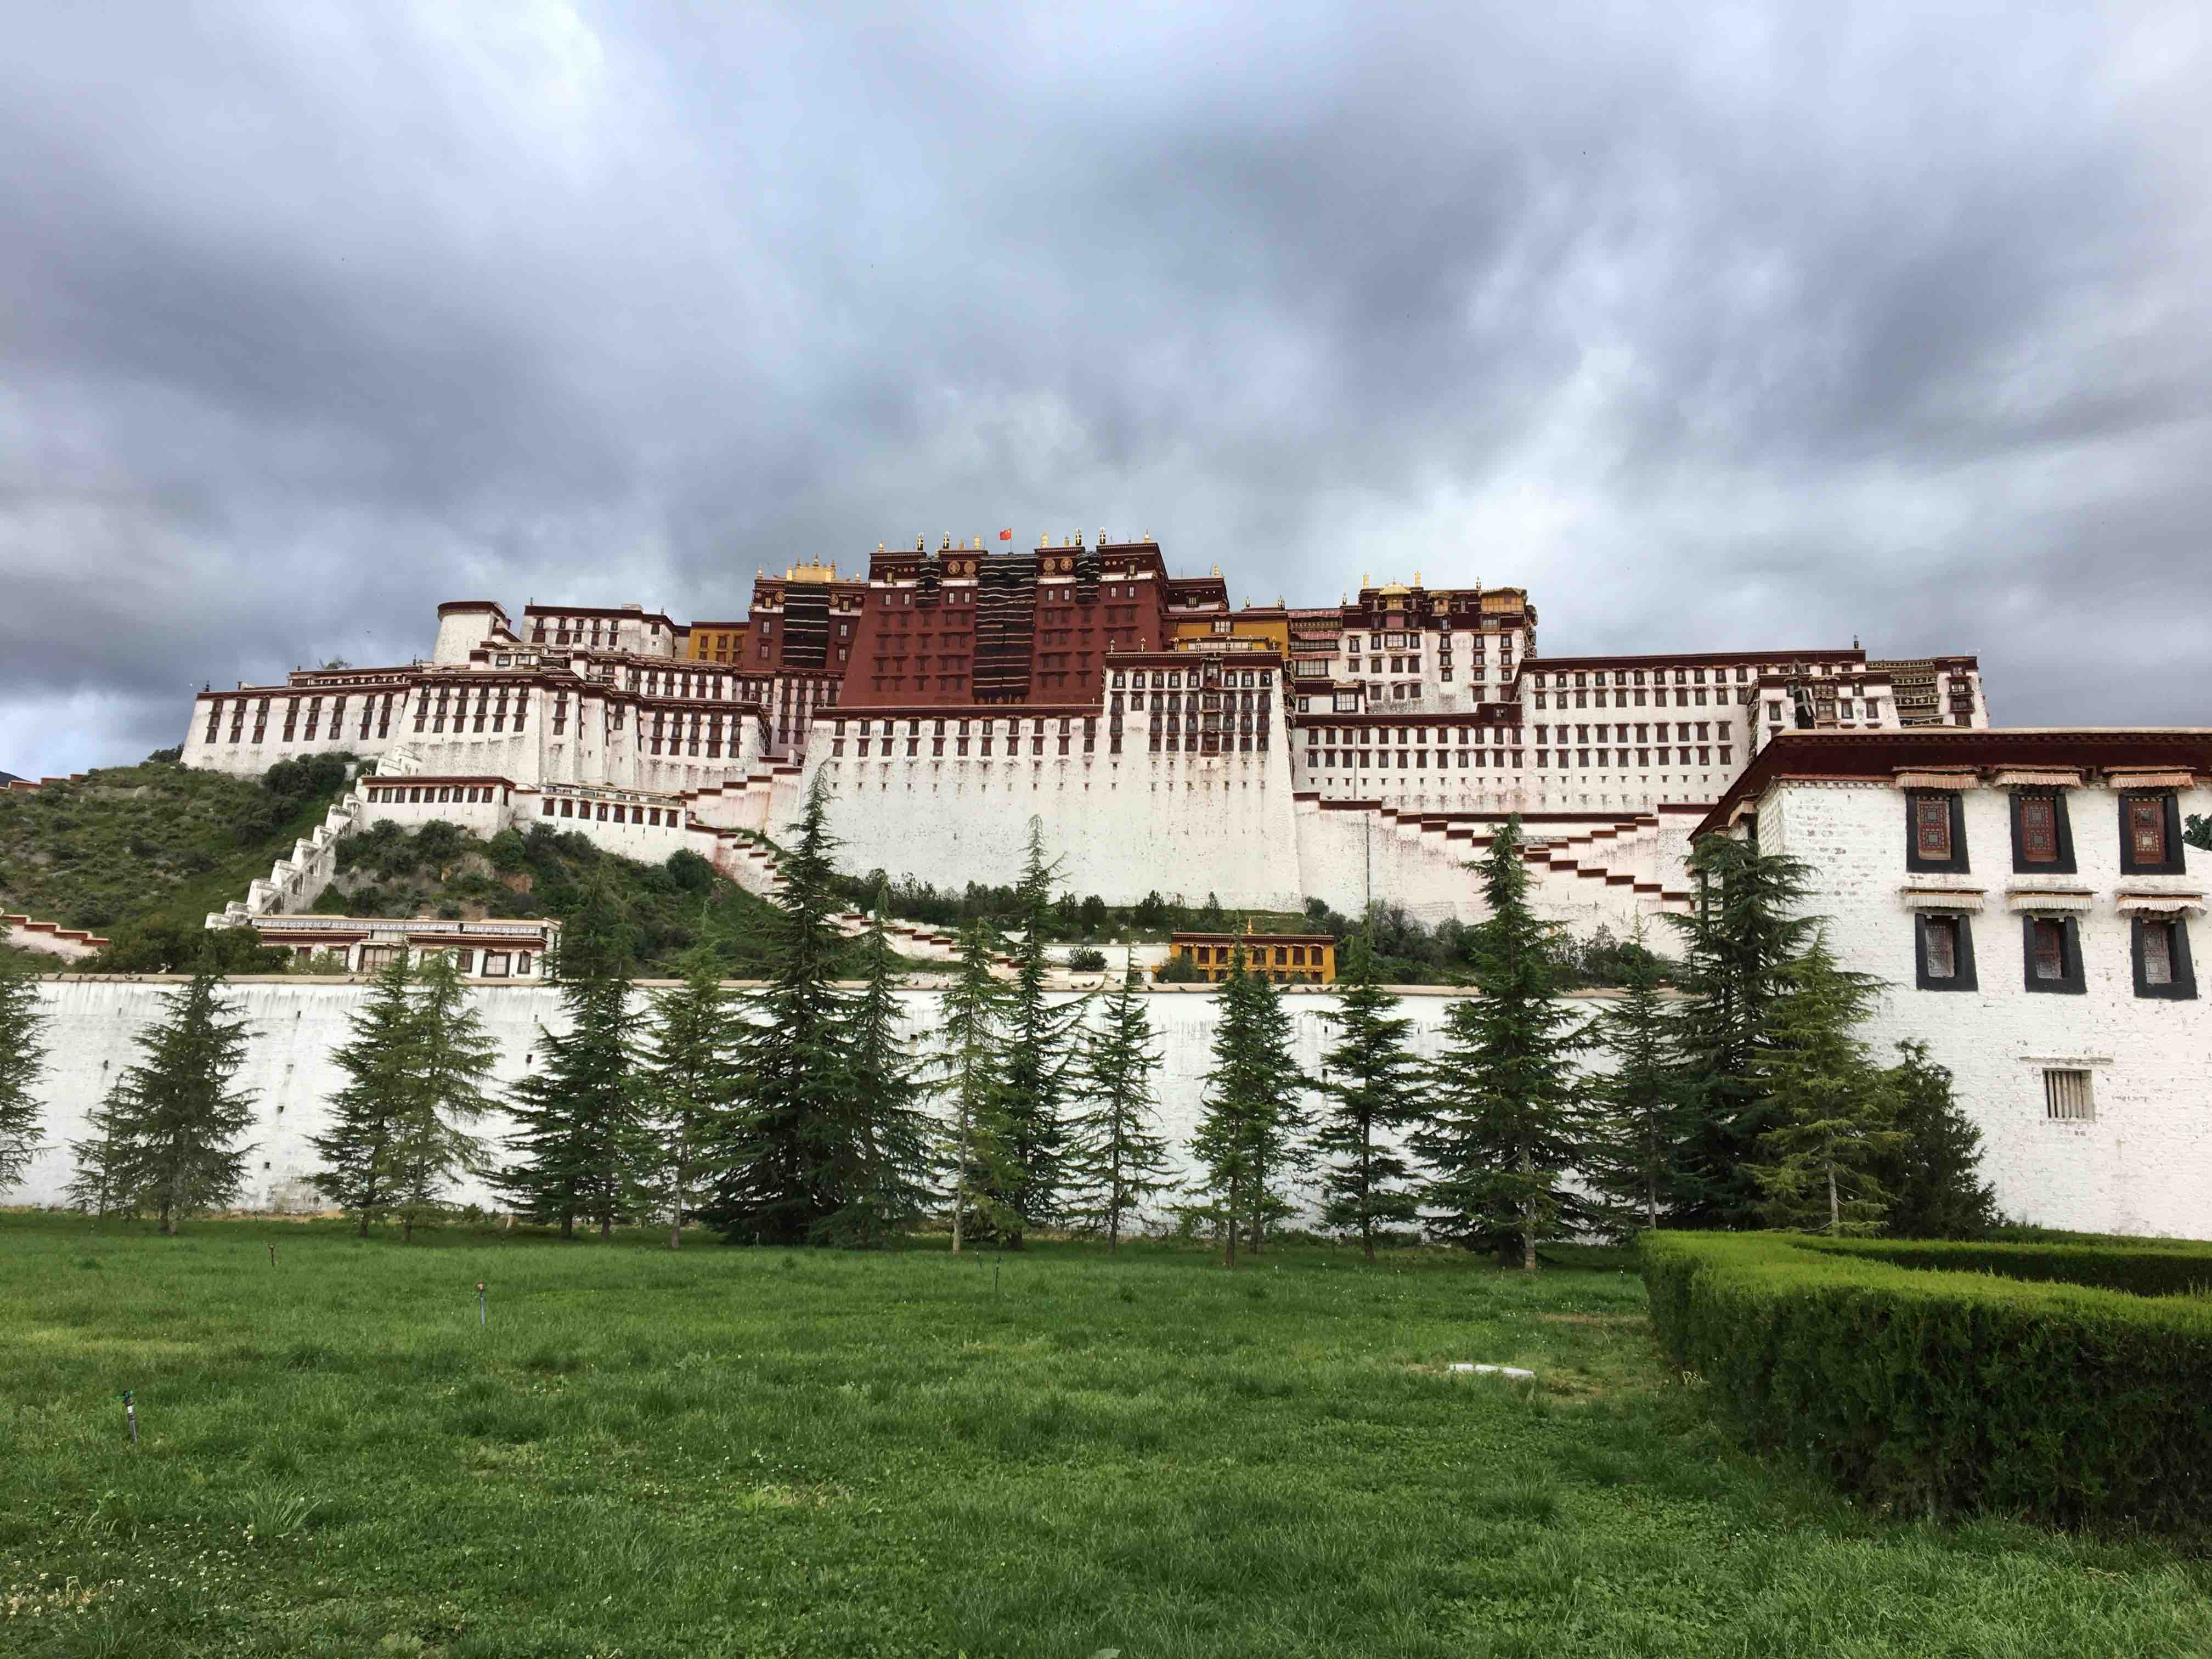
297 1023
2145 1164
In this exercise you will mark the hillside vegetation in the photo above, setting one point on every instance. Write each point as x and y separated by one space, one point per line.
143 852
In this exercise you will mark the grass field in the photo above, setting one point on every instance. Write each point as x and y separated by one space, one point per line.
726 1452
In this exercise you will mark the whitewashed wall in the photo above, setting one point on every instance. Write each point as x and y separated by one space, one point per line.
2142 1168
2145 1164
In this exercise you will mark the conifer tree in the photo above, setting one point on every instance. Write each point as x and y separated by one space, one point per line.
890 1147
1118 1156
1248 1135
1935 1177
777 1180
1637 1125
577 1114
169 1127
1829 1115
687 1087
971 1083
1508 1122
96 1187
451 1057
356 1173
1373 1085
1743 933
1041 1048
22 1062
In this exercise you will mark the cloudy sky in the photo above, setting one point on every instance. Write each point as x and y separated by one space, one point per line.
1740 325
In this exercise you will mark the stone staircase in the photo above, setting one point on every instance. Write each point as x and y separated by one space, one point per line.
50 938
296 879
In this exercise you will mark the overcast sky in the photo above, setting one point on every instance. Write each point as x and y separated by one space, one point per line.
1748 325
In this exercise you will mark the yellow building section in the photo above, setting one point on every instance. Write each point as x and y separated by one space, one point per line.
1260 627
1285 958
717 641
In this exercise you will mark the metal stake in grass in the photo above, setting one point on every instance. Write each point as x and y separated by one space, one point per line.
130 1413
480 1305
994 1276
272 1252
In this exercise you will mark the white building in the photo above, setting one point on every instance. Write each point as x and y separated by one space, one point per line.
2028 899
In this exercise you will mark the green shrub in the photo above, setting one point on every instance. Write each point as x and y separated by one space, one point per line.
1976 1377
1084 960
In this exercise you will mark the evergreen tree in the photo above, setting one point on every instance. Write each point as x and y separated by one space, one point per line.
1935 1177
1373 1083
97 1186
891 1147
687 1087
971 1083
1041 1048
577 1116
356 1173
450 1059
1118 1157
779 1163
1637 1124
1508 1122
1737 942
170 1126
22 1062
1248 1135
1829 1115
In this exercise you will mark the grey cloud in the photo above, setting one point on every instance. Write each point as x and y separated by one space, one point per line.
1757 325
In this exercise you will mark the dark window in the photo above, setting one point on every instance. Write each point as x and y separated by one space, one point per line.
2042 835
1935 830
1944 952
2052 947
2150 835
2162 964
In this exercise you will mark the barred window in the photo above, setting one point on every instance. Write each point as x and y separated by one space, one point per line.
2050 950
2147 829
2066 1095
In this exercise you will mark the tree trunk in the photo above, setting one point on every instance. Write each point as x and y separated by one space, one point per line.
568 1223
606 1226
364 1221
1835 1210
407 1226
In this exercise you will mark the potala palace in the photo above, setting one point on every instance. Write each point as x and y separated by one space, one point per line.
2027 896
1168 742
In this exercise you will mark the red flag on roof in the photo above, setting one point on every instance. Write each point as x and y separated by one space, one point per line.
1005 535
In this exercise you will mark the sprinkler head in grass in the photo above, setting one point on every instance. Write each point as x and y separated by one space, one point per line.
130 1412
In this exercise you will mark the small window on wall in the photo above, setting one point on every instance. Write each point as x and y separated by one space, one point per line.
2042 837
1934 831
495 965
2162 964
2067 1097
2150 834
1944 952
2052 949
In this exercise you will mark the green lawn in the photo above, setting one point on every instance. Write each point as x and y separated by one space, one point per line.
729 1452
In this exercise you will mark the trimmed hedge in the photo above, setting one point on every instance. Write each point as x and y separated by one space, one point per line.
1935 1389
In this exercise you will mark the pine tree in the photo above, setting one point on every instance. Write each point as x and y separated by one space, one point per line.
1935 1177
451 1058
890 1146
1637 1124
96 1187
778 1164
1117 1156
171 1123
970 1082
22 1062
1374 1084
687 1088
1830 1115
1039 1048
1508 1121
577 1116
1248 1135
1737 941
356 1173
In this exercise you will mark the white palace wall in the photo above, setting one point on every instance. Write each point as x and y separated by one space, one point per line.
2144 1163
2141 1169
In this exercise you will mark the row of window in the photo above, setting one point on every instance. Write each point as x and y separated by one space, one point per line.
1171 680
1683 698
497 964
2043 832
2051 955
373 707
670 818
434 794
